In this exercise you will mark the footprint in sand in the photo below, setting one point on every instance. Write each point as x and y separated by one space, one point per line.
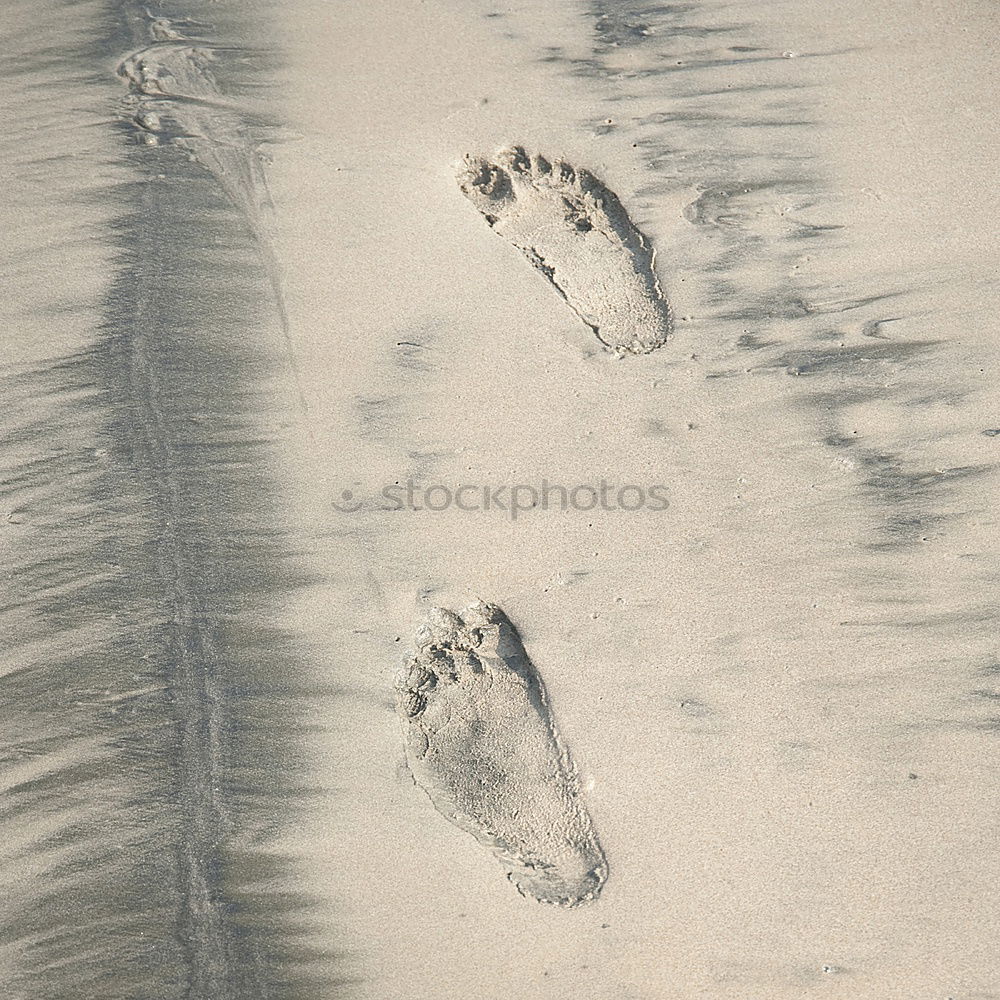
576 232
481 742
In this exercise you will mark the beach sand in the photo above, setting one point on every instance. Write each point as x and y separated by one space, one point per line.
238 344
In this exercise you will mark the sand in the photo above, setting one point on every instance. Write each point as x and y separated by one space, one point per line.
255 324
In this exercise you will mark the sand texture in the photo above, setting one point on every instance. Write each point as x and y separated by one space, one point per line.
481 742
575 231
669 329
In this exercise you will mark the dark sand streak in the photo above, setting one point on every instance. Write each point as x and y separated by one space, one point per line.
150 749
765 200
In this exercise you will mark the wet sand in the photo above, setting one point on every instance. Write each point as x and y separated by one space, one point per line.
236 323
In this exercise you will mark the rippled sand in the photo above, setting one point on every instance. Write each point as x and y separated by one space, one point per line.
252 321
